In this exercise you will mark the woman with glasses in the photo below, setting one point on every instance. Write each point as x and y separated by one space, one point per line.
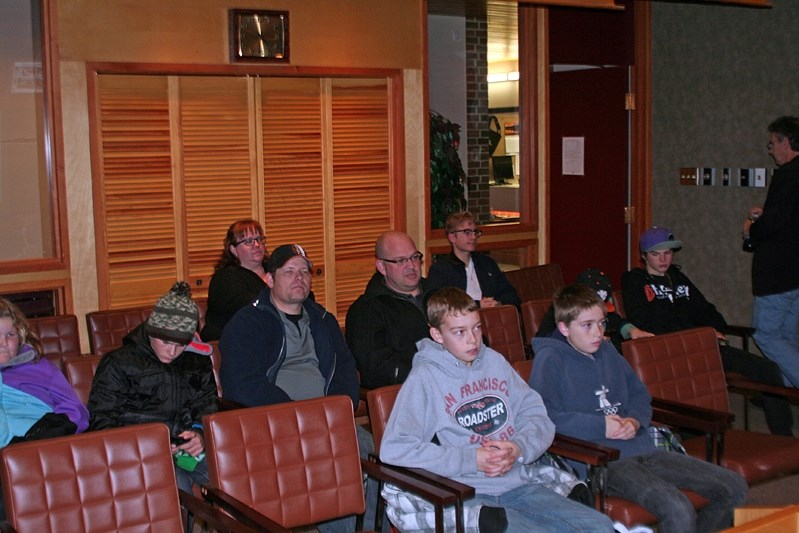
477 274
238 278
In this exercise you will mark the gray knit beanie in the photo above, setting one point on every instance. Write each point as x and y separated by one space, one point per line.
175 316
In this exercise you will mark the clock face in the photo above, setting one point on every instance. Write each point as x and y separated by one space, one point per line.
261 35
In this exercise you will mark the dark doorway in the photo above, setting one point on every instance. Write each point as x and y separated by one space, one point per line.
587 226
590 55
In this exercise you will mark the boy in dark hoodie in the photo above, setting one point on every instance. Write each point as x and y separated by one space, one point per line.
592 393
464 413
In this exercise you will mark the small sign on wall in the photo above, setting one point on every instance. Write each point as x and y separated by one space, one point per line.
573 151
27 78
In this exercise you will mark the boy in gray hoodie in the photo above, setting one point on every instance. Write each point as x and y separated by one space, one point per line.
464 413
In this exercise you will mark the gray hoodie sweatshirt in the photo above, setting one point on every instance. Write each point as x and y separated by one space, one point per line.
462 407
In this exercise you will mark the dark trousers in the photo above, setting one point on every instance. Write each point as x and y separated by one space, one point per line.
777 408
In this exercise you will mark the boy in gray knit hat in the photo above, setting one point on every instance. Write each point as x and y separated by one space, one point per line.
162 373
175 316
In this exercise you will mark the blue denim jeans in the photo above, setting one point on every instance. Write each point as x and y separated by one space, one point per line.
775 320
533 507
653 482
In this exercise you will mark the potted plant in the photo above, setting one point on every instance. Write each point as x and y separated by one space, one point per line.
447 176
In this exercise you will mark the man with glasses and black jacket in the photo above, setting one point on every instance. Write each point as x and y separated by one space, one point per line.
386 321
475 273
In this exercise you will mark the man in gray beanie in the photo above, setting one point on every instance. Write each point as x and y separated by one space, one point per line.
162 373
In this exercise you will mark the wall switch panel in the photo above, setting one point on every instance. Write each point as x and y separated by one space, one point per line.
760 177
708 176
744 177
725 176
688 175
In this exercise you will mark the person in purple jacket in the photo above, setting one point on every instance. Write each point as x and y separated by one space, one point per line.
36 402
35 399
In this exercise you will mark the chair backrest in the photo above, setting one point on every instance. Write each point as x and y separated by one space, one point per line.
533 312
297 462
540 281
684 366
80 371
59 335
502 328
619 301
381 402
108 328
524 369
113 480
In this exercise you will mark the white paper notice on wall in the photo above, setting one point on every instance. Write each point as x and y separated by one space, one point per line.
573 156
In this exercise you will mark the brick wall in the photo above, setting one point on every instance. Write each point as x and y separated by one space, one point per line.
477 117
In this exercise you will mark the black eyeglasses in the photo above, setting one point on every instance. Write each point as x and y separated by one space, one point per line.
415 258
469 232
249 241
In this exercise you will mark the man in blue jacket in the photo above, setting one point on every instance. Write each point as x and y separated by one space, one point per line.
284 346
475 273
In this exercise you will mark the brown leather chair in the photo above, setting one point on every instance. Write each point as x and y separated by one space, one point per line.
293 464
108 328
685 368
533 282
80 374
503 332
533 312
60 337
119 479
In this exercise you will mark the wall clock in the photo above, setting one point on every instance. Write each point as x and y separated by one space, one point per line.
257 35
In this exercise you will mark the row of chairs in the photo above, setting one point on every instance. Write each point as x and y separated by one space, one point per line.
272 468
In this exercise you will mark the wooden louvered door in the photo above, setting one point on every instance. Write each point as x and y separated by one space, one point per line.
362 188
134 215
178 158
293 122
218 175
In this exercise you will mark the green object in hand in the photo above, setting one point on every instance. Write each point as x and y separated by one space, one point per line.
187 461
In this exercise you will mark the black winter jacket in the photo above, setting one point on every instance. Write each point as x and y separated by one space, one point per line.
231 288
253 348
382 330
131 386
775 235
450 271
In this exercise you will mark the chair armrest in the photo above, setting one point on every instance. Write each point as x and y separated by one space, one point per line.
240 511
461 490
218 520
689 416
737 381
582 451
743 332
432 487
